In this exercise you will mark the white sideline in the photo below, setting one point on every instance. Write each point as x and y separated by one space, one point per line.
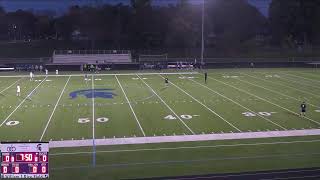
212 111
113 74
23 101
134 114
276 124
54 109
188 147
167 106
184 138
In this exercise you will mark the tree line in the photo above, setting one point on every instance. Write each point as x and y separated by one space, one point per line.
228 24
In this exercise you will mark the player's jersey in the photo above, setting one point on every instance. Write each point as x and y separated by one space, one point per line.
18 88
303 107
57 72
46 72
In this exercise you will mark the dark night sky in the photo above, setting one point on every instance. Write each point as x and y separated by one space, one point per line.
60 6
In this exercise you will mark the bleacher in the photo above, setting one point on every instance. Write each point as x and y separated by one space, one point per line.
91 57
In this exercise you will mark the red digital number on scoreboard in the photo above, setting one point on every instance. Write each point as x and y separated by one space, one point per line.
4 169
43 158
16 170
26 157
6 158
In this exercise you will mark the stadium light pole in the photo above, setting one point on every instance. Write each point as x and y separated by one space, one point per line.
202 33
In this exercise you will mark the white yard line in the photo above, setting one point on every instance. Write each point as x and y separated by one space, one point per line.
212 111
253 84
22 102
93 98
167 106
299 82
185 138
134 114
10 85
54 109
316 122
113 74
239 104
188 147
306 92
302 77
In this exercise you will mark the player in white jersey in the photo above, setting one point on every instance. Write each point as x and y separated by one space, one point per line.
31 76
18 90
57 72
46 72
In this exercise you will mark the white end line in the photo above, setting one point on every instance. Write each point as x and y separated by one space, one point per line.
54 109
205 106
134 114
167 105
23 101
239 105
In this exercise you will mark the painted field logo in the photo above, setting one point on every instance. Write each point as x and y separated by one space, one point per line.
95 93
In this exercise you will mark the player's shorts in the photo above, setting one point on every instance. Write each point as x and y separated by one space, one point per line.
303 110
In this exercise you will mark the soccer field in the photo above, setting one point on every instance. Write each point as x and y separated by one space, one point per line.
239 103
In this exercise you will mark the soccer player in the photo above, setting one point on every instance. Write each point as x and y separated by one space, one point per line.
303 107
31 75
46 72
86 79
57 71
205 77
166 81
18 90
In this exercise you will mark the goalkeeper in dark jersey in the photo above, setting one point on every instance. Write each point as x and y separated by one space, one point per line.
303 107
166 82
205 77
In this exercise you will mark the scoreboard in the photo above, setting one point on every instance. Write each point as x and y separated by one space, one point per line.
24 160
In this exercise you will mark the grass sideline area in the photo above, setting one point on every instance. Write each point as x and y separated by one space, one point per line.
138 104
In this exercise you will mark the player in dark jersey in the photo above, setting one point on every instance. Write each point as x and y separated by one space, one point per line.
166 81
205 77
303 107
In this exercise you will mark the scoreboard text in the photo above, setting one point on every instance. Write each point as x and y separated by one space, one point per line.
24 160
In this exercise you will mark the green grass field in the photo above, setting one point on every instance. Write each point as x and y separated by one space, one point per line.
232 101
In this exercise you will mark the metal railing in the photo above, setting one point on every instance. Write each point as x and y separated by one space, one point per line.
85 52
